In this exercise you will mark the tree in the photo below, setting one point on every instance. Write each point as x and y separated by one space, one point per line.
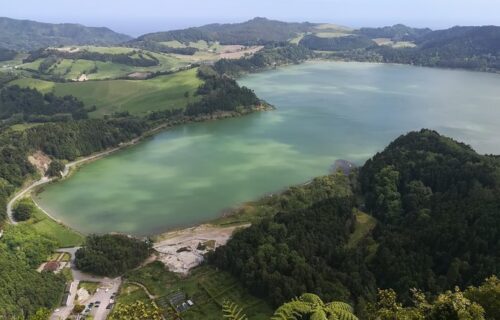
23 210
488 296
310 306
55 169
78 308
111 255
388 199
136 311
451 305
41 314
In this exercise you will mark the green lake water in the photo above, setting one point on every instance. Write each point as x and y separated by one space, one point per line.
325 111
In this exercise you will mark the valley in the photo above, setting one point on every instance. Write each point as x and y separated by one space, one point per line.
198 219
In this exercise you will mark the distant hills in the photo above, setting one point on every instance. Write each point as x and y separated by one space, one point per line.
252 32
474 48
26 35
398 32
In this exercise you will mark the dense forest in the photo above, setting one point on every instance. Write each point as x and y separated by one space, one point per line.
111 255
436 202
439 203
475 48
253 32
30 105
26 35
220 93
350 42
6 54
398 32
270 56
23 290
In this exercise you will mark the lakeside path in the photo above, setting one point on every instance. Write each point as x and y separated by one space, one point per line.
44 180
67 167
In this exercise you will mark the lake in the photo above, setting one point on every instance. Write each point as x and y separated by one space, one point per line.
325 111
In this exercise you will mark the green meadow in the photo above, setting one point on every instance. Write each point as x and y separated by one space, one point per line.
72 69
43 224
135 96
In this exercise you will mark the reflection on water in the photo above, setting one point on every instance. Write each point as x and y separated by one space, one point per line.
325 111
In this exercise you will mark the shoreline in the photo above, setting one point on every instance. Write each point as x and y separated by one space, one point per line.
70 167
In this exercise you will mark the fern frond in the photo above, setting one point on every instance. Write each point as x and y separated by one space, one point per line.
231 311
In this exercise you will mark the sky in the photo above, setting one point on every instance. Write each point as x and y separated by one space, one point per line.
135 17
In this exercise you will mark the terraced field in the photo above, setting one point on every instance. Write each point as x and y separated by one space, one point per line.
206 287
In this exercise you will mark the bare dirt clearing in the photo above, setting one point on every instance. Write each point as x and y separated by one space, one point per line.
183 250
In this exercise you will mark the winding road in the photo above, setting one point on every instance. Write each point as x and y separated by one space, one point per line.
64 173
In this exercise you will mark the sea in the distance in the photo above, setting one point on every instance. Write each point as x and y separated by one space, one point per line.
325 111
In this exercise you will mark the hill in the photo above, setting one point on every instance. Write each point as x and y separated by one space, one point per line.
27 35
474 48
436 204
398 32
253 32
6 54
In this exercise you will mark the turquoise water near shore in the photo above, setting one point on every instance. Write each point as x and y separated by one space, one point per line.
325 111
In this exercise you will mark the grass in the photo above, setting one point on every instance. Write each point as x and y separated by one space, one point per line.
70 69
205 286
134 96
364 225
44 225
23 126
130 293
91 287
41 85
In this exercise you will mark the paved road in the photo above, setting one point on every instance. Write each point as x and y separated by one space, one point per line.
101 295
107 289
11 203
64 173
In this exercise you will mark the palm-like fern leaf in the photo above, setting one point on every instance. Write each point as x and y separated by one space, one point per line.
231 311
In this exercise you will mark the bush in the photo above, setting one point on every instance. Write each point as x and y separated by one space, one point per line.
55 169
23 211
111 255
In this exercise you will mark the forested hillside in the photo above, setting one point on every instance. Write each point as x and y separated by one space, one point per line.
252 32
23 290
436 202
270 56
6 54
29 35
398 32
344 43
476 48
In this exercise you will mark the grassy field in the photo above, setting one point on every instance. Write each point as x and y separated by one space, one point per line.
91 287
364 225
64 236
41 85
135 96
205 286
70 69
130 293
23 126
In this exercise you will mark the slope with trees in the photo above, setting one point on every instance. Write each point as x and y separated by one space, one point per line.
26 35
437 204
253 32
